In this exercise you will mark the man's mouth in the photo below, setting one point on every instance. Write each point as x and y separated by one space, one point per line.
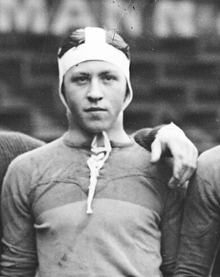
95 109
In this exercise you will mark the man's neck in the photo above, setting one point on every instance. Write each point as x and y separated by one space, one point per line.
79 137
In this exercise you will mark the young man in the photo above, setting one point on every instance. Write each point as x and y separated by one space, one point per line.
201 223
91 203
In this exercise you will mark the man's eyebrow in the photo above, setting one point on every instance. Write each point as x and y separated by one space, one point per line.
110 71
82 73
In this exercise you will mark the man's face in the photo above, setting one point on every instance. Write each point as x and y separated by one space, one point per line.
95 93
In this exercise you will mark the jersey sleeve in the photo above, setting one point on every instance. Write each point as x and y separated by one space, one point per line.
170 229
19 257
144 137
200 232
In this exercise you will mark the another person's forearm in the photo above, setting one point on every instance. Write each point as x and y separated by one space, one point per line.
170 140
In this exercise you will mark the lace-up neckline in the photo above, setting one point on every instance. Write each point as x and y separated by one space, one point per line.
98 157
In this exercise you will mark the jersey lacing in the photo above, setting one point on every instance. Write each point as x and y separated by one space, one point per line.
95 163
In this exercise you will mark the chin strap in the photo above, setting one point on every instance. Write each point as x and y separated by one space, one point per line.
95 163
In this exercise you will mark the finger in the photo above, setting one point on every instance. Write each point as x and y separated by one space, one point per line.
173 182
186 176
156 150
181 180
188 170
188 153
178 165
185 163
182 175
175 185
178 171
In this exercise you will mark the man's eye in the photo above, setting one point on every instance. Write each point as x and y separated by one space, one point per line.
109 77
80 79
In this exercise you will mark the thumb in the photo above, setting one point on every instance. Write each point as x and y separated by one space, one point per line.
156 150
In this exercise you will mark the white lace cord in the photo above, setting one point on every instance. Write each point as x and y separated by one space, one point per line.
95 163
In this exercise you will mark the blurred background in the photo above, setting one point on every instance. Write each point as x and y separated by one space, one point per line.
175 68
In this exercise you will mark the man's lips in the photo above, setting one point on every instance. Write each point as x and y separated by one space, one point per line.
95 109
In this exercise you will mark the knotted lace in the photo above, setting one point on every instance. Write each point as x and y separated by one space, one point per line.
95 163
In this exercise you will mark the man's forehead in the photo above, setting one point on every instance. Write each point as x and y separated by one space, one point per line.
95 66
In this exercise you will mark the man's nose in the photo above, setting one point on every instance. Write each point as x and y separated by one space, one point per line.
94 91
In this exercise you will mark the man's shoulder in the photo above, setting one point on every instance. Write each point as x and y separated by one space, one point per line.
36 155
161 171
140 148
210 155
209 164
210 159
137 152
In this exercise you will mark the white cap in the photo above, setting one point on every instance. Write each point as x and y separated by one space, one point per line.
94 48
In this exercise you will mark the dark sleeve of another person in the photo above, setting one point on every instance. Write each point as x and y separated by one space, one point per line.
144 137
13 144
200 234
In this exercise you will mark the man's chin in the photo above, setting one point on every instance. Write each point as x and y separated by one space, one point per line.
97 129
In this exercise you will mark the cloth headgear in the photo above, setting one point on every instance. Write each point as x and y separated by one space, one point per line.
94 48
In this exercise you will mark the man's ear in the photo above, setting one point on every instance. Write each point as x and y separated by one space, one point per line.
65 99
126 92
63 91
127 99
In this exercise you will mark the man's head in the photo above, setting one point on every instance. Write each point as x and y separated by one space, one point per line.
94 78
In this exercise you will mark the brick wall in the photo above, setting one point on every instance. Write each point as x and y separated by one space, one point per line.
173 80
